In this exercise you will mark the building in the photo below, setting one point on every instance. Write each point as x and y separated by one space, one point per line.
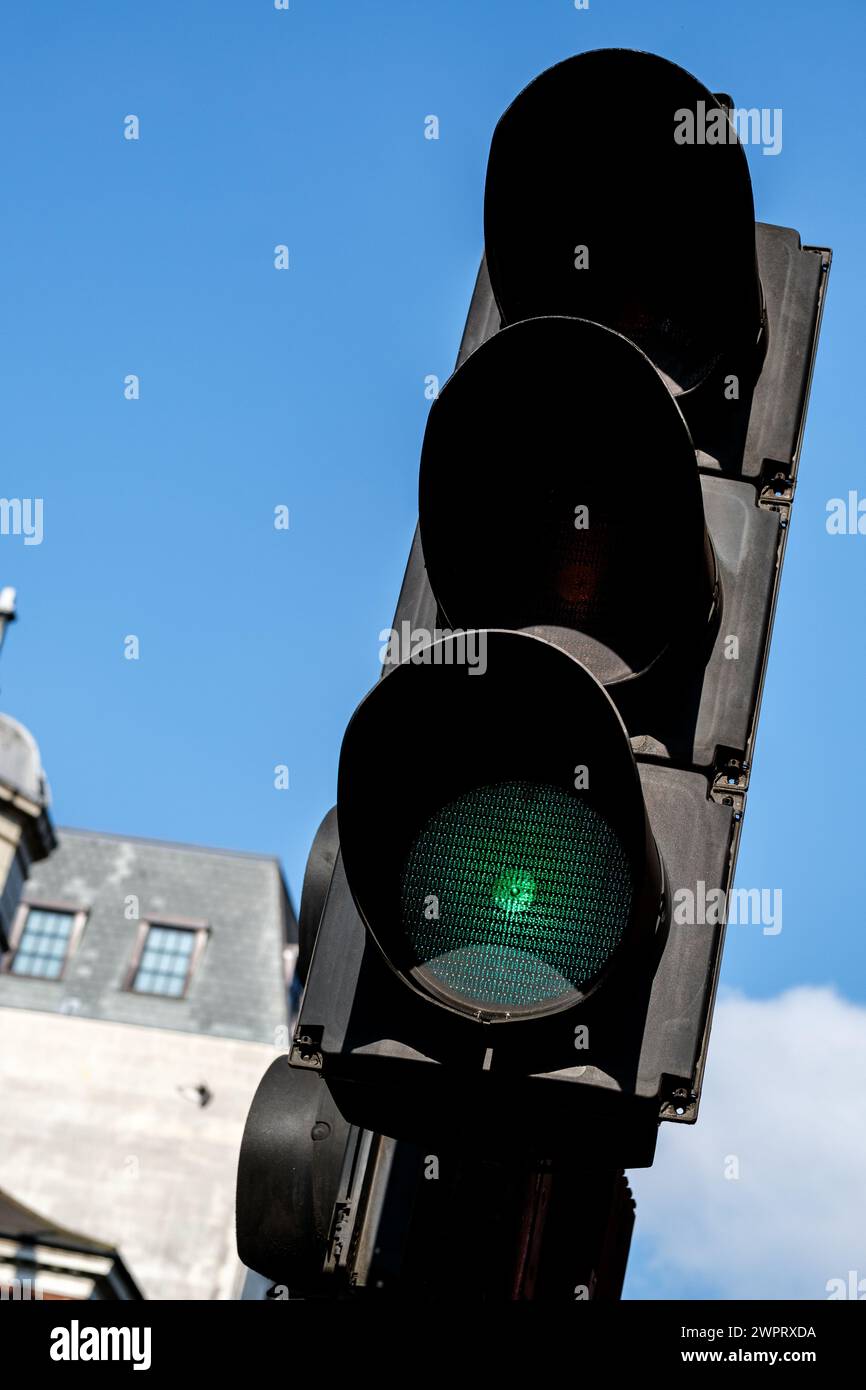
40 1260
26 832
143 992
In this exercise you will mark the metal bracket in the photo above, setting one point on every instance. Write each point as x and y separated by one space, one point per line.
354 1185
730 779
680 1104
339 1237
777 487
307 1048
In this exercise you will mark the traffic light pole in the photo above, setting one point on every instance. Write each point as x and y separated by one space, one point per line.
411 1225
575 1236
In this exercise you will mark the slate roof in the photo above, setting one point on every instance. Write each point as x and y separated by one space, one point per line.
237 989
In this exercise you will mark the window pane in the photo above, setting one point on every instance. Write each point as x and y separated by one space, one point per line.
43 944
165 961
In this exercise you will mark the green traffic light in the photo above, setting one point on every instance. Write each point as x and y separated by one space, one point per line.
515 894
514 890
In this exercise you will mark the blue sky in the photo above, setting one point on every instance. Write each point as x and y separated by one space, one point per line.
306 388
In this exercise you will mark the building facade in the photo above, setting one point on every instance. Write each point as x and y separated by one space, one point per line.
143 992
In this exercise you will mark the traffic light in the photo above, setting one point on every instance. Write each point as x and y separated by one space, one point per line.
543 503
594 207
497 893
546 787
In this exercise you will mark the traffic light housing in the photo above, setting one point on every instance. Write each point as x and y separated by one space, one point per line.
588 173
544 503
517 873
547 785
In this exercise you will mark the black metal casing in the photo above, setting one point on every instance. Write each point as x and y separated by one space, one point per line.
405 1068
640 344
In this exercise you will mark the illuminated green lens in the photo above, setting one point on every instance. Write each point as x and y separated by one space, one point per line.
515 894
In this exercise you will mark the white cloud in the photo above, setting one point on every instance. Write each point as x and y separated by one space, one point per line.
784 1095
